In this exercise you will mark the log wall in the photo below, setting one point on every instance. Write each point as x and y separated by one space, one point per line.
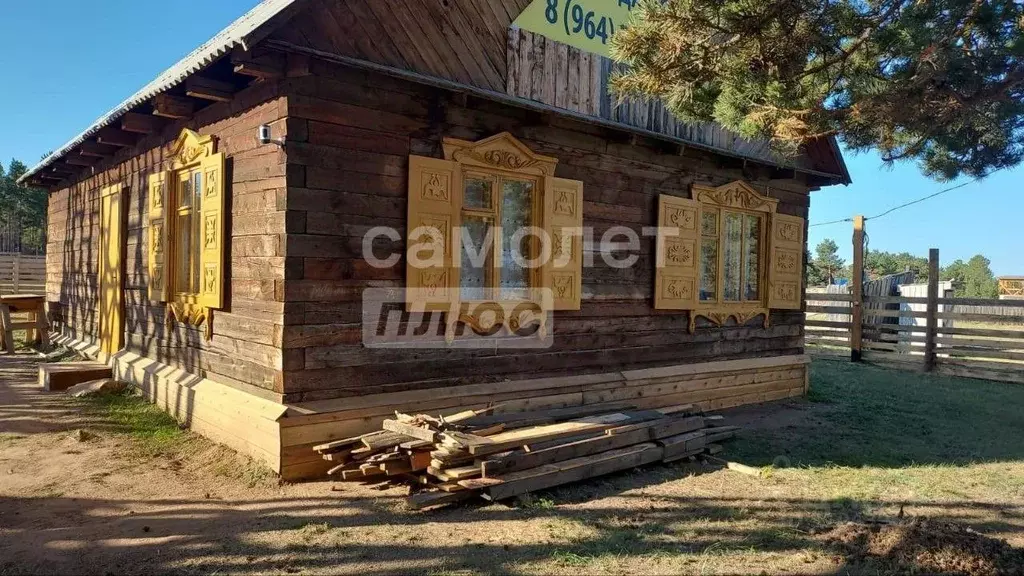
348 173
245 352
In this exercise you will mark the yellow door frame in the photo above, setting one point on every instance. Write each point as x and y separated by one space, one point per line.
111 271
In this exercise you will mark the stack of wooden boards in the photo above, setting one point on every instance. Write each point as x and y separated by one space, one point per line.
479 453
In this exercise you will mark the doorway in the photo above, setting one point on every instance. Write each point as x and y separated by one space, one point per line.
111 321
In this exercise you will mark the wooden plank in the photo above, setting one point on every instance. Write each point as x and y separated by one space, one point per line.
209 89
574 470
383 439
142 123
336 445
411 431
829 324
425 500
175 107
1008 303
979 353
513 439
683 445
999 318
944 341
542 417
895 300
827 297
844 310
613 439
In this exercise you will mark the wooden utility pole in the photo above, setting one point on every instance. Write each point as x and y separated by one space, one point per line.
857 271
933 309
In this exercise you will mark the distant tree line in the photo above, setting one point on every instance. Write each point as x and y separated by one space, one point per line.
971 279
22 210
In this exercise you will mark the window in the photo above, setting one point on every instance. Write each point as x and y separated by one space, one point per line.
727 253
500 226
492 267
730 255
189 200
186 230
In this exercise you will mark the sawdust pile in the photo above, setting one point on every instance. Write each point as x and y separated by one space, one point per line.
923 546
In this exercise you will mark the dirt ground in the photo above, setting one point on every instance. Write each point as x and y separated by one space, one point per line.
112 504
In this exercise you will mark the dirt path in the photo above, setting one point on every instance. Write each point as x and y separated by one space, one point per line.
97 506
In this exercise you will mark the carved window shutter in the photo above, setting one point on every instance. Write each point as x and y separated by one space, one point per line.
435 192
157 241
211 254
563 221
786 263
676 274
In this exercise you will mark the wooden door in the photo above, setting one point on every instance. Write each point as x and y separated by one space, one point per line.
111 321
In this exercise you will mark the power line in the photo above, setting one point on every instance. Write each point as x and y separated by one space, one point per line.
831 223
912 202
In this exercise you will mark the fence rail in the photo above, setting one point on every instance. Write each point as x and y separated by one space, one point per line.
968 337
22 274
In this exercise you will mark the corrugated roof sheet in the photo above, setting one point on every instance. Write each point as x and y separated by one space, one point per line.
247 29
238 33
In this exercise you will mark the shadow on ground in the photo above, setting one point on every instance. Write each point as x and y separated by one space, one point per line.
674 518
858 415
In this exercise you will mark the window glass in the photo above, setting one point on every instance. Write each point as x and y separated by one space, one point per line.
197 234
709 269
185 193
516 212
709 223
475 258
479 192
732 276
197 190
751 256
183 249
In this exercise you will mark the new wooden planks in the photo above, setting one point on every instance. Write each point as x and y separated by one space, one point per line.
573 470
506 440
383 439
431 499
682 445
528 460
417 432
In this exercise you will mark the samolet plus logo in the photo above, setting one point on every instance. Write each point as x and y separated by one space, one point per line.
394 318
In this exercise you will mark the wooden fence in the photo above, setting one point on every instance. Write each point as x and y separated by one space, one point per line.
975 338
21 274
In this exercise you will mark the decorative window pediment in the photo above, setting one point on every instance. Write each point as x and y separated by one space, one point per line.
501 151
727 253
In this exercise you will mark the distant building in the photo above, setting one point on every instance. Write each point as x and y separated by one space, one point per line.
1011 287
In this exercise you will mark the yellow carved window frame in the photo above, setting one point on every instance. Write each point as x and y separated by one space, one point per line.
693 234
439 206
717 206
187 231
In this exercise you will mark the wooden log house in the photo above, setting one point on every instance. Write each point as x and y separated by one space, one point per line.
224 274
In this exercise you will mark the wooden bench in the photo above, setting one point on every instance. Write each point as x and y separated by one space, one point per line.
37 328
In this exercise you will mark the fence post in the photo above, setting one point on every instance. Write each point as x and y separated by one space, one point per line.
16 273
933 310
857 271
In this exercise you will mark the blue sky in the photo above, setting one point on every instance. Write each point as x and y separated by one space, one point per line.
66 63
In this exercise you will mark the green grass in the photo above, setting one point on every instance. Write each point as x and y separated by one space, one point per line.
869 416
153 431
10 437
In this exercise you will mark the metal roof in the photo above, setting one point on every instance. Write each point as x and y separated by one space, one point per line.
238 33
265 17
